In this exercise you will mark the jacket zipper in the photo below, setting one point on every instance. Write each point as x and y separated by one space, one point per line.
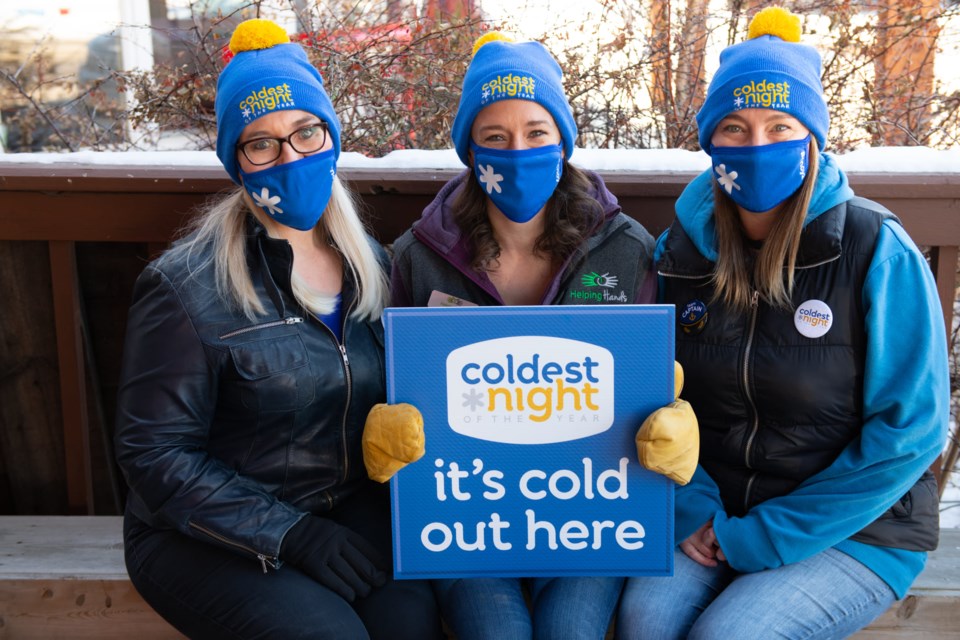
754 310
258 327
343 421
820 264
754 303
264 559
342 346
667 274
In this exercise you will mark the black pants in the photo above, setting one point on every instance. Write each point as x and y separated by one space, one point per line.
207 592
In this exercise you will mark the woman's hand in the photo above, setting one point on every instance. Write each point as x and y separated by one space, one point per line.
334 556
702 546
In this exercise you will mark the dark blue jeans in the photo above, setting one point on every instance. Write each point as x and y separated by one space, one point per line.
207 592
574 608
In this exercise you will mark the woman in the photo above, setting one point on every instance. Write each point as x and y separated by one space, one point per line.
523 226
813 507
253 355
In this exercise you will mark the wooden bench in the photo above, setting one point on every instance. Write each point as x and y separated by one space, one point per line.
64 577
932 608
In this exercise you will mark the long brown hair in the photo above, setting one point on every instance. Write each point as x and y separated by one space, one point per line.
572 214
770 272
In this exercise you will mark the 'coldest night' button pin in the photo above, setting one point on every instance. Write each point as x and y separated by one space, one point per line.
813 318
694 317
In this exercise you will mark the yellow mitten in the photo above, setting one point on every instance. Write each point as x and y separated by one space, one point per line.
392 439
668 442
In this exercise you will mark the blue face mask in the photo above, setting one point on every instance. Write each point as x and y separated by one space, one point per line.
759 178
296 193
518 181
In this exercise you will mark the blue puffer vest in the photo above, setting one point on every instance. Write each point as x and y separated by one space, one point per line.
776 407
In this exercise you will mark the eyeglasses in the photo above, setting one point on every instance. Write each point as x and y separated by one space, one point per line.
308 139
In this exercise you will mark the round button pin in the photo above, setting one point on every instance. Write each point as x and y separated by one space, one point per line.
693 318
813 318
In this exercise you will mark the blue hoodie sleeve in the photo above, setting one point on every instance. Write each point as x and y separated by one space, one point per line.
695 503
906 395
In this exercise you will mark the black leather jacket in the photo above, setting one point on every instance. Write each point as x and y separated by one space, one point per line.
228 430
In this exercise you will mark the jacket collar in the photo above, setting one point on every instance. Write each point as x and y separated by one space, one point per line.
277 256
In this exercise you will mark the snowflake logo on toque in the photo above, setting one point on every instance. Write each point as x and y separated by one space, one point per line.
267 202
489 179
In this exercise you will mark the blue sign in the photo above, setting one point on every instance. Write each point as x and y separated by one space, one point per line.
530 415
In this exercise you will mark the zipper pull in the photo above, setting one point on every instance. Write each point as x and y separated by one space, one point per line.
293 320
343 353
268 561
755 300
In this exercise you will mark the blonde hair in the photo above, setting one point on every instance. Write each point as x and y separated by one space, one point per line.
773 269
224 225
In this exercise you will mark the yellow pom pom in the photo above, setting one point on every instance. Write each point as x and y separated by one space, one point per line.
255 34
776 21
489 37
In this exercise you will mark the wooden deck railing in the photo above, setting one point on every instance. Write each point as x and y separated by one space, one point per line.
58 222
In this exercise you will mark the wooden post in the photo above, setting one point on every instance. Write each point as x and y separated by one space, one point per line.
943 263
32 477
73 392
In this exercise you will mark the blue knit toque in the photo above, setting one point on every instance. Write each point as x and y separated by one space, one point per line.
772 70
505 70
266 74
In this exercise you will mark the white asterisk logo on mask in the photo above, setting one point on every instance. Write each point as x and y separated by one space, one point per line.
726 180
267 202
489 179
